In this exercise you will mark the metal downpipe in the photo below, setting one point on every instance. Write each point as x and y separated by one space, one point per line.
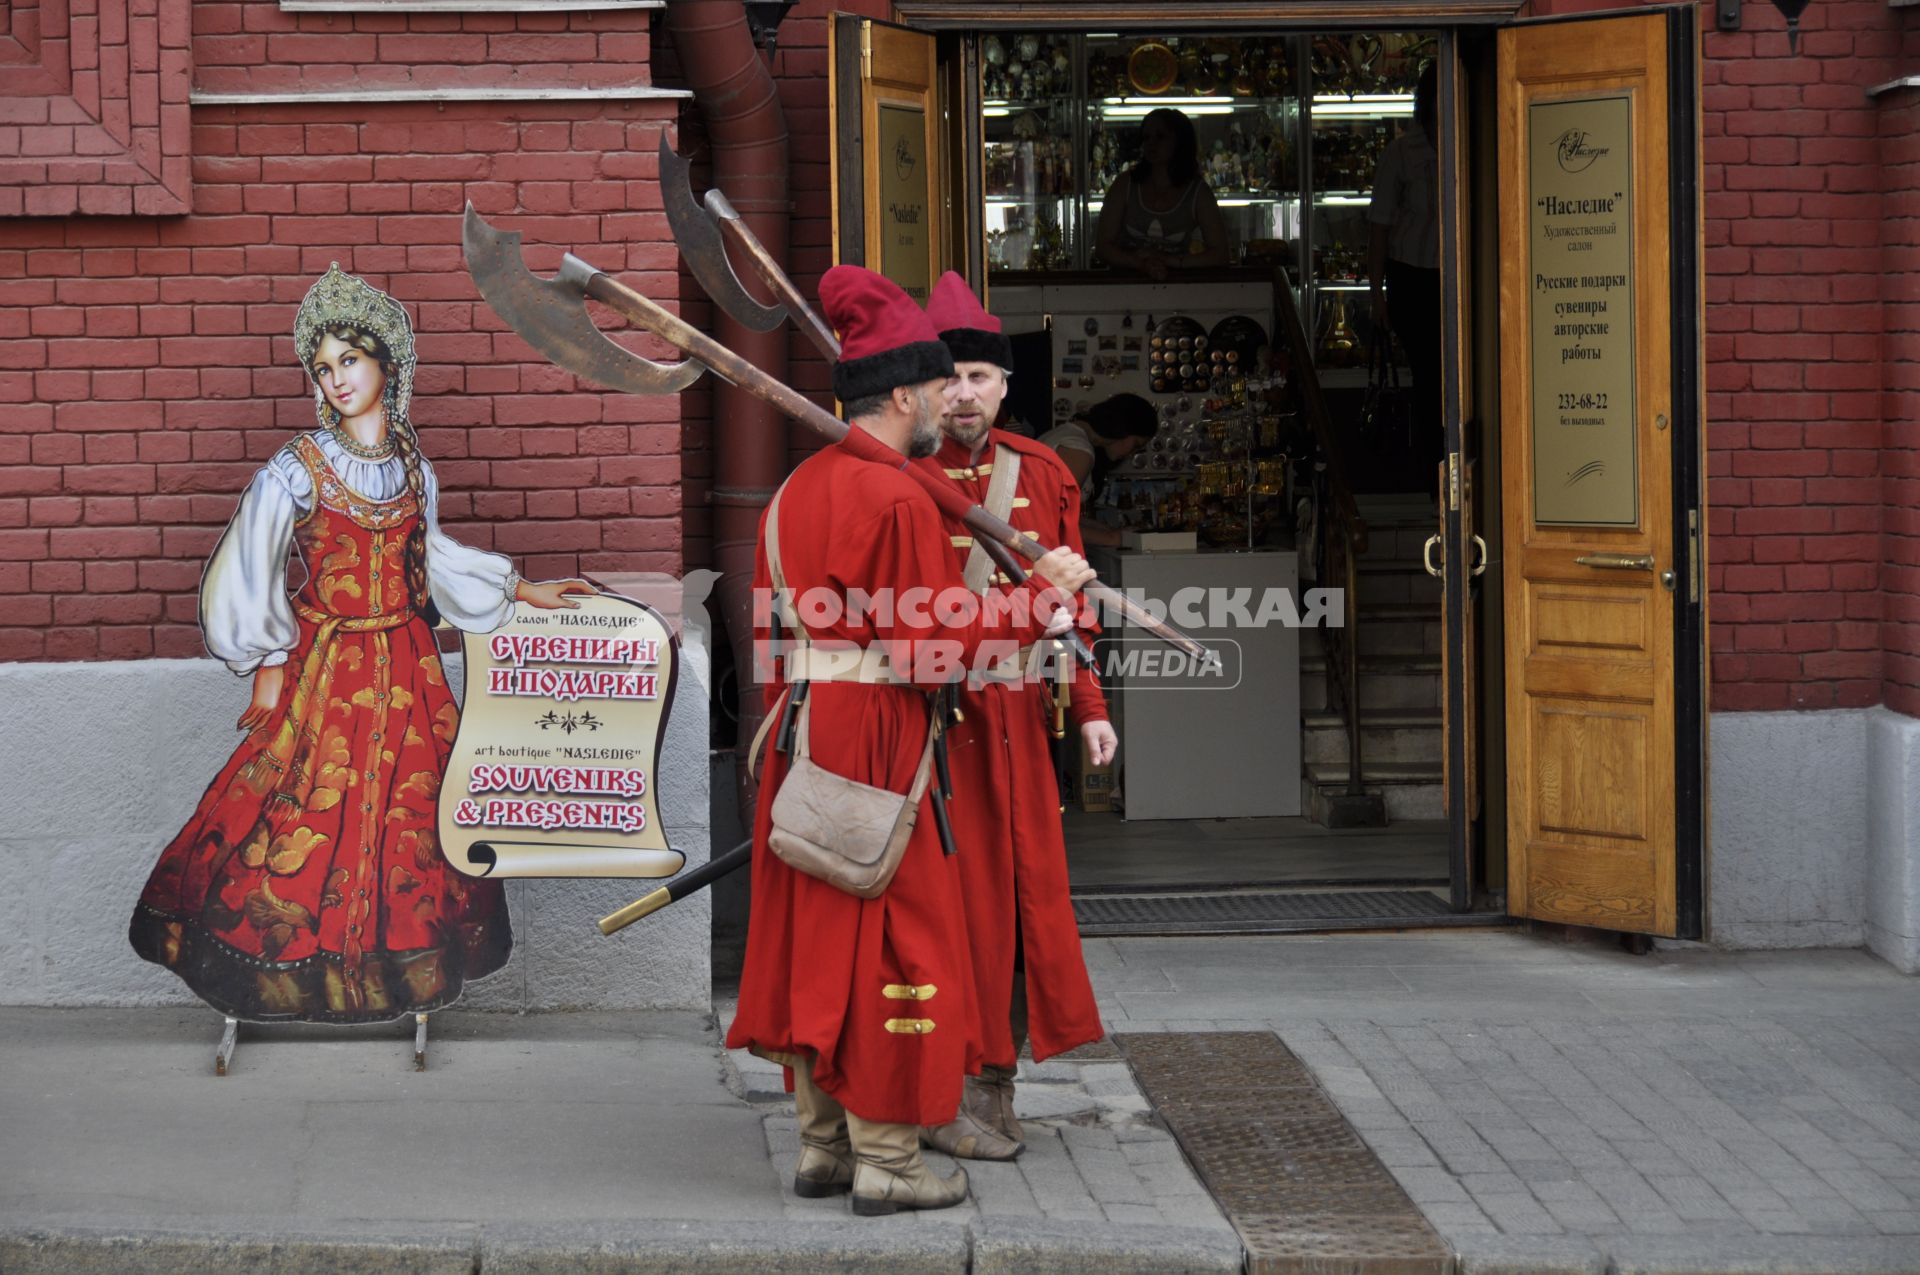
747 131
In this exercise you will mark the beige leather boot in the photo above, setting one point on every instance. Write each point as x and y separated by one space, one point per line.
826 1152
889 1174
974 1134
1000 1079
998 1082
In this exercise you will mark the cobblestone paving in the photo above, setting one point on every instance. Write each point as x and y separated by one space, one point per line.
1781 1099
1661 1127
1094 1154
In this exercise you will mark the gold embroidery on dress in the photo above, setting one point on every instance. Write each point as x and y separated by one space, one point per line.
330 490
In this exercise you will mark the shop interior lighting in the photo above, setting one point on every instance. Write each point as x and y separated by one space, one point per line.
1168 100
1362 105
1137 113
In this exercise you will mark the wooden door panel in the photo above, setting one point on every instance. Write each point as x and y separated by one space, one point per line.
1570 621
1578 885
1588 514
1590 769
888 151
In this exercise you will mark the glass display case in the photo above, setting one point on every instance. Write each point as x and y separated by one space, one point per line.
1034 164
1361 99
1062 121
1289 130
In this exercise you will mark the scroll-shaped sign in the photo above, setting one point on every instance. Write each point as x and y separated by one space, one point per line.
552 772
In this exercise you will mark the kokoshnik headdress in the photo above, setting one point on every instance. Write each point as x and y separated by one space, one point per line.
338 298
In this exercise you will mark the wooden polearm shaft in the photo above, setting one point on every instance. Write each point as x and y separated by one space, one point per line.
696 344
769 270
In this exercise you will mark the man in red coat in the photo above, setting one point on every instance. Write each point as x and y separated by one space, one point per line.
1006 814
869 1002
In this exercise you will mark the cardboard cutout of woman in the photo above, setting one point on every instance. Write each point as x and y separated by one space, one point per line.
309 883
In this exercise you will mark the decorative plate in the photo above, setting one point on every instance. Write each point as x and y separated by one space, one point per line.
1153 67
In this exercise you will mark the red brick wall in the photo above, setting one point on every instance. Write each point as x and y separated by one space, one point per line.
250 46
1796 269
146 363
1900 474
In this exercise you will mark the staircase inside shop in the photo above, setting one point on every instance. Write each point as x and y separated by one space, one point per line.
1399 645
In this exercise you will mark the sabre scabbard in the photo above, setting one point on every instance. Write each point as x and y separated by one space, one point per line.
790 717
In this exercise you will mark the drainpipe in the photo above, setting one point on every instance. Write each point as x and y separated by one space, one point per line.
747 131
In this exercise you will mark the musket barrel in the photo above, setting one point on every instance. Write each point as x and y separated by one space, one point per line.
672 892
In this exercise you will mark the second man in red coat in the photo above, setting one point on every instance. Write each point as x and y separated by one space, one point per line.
1028 970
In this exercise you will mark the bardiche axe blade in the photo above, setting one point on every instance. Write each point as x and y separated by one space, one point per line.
551 315
703 249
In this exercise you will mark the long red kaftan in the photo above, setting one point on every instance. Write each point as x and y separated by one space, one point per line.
1006 808
843 978
309 882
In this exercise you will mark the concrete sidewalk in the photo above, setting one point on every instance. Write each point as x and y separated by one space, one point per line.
548 1142
1550 1107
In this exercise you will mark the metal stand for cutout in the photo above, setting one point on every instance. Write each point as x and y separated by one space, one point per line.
230 1041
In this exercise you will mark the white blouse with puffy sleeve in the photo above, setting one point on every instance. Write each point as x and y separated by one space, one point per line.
246 614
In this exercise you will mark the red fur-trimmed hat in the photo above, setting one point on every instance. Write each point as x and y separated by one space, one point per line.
973 335
885 339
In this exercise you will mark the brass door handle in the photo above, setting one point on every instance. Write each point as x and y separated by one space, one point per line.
1426 556
1617 561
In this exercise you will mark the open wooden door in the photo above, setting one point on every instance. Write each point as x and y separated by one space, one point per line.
887 158
1600 443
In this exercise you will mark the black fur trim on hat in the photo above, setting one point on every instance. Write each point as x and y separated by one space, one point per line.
971 345
907 364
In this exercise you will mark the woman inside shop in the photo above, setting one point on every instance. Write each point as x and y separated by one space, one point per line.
1160 215
1096 440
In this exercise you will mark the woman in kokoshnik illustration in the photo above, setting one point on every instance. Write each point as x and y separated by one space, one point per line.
309 883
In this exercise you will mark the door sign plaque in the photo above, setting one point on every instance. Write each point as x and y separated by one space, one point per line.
1580 206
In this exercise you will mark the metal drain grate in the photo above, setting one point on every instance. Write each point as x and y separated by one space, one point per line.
1263 911
1302 1188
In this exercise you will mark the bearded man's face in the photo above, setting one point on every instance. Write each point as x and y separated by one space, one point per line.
974 403
930 403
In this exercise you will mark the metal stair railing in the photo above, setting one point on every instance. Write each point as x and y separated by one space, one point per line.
1340 540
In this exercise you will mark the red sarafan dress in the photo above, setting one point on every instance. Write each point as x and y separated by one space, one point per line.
309 883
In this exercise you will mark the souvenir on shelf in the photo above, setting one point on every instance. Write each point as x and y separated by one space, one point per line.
1339 345
1152 68
1177 356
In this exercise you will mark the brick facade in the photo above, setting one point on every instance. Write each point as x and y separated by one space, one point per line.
1811 606
145 361
1900 472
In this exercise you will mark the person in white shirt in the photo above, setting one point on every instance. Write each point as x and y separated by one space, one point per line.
1096 440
